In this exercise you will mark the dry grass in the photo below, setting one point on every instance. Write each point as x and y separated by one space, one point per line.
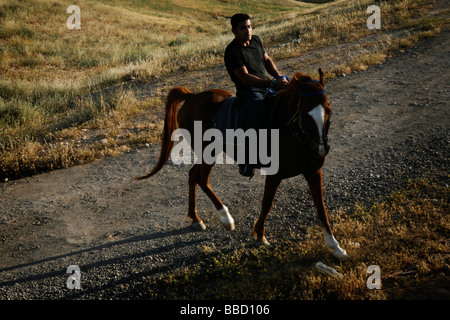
406 236
105 129
116 38
389 48
48 71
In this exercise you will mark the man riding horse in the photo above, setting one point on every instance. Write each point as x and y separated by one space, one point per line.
247 62
302 115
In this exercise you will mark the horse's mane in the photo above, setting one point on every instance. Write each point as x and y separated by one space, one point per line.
300 83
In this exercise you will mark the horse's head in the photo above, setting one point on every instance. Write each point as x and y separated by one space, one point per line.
312 111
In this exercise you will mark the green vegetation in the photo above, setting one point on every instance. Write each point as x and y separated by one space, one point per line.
55 110
413 263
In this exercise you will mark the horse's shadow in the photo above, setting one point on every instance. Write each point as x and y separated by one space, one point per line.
98 263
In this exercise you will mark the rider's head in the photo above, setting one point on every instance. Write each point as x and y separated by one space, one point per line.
241 27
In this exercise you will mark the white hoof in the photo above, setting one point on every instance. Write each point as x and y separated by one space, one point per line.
340 253
332 243
264 242
199 226
225 218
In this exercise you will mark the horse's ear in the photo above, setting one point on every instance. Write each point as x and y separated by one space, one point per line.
322 77
297 76
294 81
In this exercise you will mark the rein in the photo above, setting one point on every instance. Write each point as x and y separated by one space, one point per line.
299 116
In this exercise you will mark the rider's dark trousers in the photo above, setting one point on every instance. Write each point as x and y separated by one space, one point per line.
251 100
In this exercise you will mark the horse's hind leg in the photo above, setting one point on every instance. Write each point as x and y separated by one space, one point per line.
222 213
199 175
197 223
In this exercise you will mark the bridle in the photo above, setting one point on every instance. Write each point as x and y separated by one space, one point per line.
299 117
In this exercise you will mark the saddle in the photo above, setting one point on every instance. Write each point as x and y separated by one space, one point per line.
231 115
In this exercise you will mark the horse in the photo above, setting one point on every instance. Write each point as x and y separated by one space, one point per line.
302 116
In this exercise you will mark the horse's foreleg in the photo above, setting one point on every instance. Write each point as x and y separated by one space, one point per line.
316 187
270 189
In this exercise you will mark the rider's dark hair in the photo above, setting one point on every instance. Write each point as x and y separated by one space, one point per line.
238 18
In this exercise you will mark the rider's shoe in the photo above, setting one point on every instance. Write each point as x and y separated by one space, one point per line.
247 170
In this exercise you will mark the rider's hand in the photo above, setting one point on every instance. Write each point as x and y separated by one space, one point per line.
281 84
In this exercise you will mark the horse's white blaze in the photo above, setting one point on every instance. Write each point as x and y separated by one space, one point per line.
225 218
318 114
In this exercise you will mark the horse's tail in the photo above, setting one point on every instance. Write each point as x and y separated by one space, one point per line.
174 98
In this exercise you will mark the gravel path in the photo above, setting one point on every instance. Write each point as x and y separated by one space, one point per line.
390 124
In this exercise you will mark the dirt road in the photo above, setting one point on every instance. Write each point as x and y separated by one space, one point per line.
390 124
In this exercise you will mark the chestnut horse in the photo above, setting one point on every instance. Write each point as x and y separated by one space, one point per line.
302 116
